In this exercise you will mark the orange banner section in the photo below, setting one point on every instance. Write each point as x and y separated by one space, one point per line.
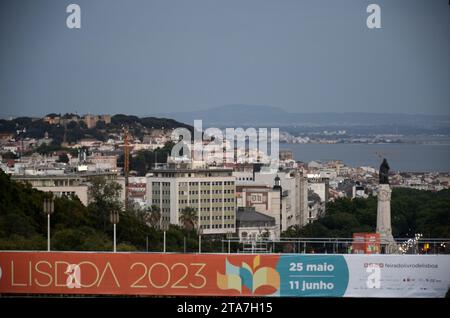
135 273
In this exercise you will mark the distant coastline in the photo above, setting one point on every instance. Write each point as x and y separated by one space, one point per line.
402 157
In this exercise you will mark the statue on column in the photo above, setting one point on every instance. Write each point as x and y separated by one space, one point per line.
384 172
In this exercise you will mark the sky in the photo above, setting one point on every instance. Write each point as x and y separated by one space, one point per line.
156 56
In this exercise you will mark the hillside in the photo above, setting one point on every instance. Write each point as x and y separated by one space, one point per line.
74 227
37 127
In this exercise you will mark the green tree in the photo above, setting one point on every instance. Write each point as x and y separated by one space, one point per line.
188 218
104 197
412 211
63 158
9 155
145 160
74 227
153 216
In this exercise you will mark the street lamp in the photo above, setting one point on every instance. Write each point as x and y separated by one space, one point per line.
49 207
200 232
164 227
114 218
417 237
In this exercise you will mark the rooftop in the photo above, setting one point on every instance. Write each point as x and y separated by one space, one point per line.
250 215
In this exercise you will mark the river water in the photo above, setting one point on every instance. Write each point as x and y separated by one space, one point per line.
401 157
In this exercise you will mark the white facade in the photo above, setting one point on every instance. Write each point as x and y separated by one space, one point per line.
80 191
320 186
264 199
295 193
211 192
252 233
69 184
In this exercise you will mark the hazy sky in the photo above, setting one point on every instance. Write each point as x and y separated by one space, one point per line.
145 57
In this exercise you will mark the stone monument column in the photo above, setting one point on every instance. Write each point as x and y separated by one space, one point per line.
384 211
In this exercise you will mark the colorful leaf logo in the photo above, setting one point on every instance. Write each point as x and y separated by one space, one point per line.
251 277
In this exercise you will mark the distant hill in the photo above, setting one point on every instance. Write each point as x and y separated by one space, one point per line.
269 116
120 120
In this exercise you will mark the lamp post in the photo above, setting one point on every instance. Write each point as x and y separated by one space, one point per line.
229 237
164 239
200 232
49 207
114 218
164 227
417 237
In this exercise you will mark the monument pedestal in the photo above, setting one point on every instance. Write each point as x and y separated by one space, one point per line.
384 219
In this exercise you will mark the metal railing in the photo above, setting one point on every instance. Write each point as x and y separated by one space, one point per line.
204 244
332 245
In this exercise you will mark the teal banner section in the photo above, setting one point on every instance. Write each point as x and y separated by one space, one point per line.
313 275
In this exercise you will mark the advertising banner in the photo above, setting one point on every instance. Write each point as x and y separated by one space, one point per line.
291 275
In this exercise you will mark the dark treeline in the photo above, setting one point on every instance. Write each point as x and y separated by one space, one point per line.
75 227
412 211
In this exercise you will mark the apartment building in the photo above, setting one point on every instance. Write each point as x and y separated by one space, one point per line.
210 192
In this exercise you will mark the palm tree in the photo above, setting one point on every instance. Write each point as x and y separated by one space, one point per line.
153 216
188 218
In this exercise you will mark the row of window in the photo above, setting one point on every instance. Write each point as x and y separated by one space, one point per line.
217 226
216 208
208 183
214 200
212 209
216 217
245 179
158 201
164 184
156 192
68 193
181 192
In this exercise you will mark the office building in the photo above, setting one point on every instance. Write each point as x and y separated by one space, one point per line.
210 192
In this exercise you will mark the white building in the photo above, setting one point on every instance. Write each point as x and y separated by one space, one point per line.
210 192
294 192
316 208
319 185
264 199
69 185
358 191
252 225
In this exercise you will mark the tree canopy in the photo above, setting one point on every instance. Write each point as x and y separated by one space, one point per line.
412 211
75 227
